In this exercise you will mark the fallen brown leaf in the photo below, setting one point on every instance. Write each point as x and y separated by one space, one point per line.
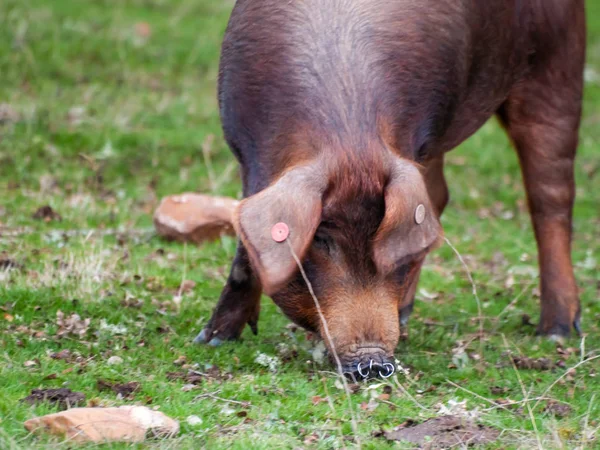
558 409
72 325
8 114
64 398
318 399
47 214
125 390
523 362
126 424
9 264
187 286
143 29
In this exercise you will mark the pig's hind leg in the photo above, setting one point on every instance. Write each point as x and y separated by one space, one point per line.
238 305
542 116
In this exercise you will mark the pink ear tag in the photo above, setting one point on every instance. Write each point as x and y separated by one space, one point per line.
280 232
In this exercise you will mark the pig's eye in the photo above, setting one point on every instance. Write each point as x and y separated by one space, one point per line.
323 242
402 272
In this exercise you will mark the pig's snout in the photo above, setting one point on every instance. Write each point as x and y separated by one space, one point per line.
368 363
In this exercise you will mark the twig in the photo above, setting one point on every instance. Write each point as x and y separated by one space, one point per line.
224 177
522 402
206 151
331 343
513 302
584 434
329 400
479 311
526 396
481 397
20 231
565 374
226 400
405 392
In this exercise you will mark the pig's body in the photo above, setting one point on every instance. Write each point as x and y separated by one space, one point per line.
356 93
433 71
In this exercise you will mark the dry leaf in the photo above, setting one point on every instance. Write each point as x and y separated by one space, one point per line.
63 397
124 424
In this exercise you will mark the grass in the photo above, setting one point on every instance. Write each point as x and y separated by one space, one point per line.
112 103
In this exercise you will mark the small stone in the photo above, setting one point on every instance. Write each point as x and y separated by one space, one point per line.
180 361
193 421
114 360
188 387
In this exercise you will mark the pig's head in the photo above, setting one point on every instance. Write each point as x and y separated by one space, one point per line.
361 241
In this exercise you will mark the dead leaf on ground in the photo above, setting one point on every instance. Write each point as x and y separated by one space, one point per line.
443 432
195 218
125 424
566 353
76 115
558 409
180 361
30 332
64 398
125 390
63 355
523 362
132 302
318 399
311 439
8 114
186 286
143 29
9 264
497 390
71 325
370 406
47 214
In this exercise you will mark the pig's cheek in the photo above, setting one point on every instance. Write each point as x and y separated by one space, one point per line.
298 307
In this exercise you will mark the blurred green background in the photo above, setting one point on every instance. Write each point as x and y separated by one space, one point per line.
105 107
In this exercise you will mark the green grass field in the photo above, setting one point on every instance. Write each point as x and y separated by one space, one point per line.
105 107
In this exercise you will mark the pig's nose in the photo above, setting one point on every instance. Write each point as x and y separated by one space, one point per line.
369 366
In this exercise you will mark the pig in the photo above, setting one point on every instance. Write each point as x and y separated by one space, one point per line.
340 113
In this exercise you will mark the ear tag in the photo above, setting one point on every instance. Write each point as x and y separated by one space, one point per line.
280 232
420 214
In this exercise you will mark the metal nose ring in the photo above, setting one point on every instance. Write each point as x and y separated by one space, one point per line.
364 375
391 370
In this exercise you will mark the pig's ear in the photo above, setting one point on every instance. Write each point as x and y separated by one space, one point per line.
410 225
294 200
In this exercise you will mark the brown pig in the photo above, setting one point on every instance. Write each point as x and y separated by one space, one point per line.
340 113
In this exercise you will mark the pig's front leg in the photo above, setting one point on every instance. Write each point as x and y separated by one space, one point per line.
238 305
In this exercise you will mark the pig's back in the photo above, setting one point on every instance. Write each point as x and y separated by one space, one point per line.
340 68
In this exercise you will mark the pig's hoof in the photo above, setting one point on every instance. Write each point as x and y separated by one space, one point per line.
577 326
560 331
556 338
202 339
215 342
